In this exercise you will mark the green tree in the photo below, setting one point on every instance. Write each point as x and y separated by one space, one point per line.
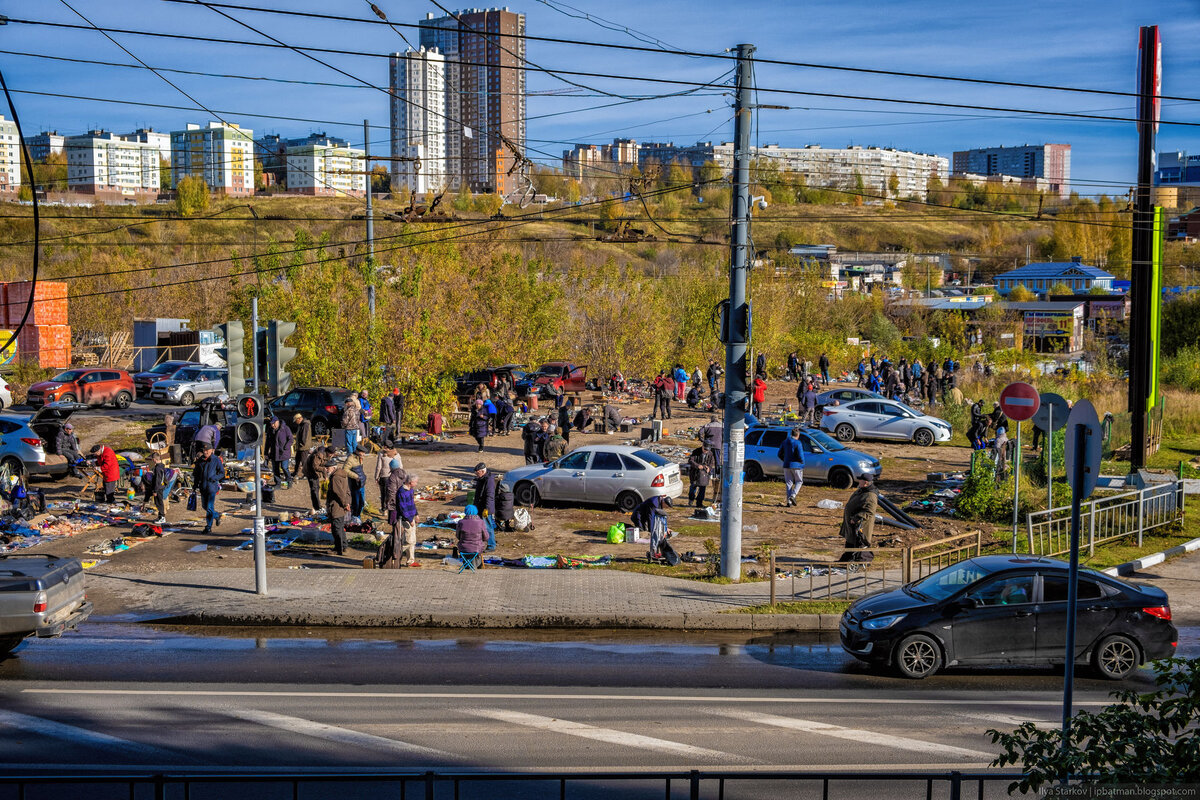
893 184
489 204
1181 323
1060 289
1020 294
711 172
462 200
381 180
191 195
164 173
574 192
259 181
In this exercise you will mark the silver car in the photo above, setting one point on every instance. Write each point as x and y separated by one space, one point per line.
883 419
28 441
825 459
615 475
189 385
846 394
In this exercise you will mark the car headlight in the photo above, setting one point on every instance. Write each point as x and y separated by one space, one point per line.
879 623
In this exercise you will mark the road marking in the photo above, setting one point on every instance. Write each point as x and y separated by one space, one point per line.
332 733
76 735
605 734
1003 719
853 734
635 698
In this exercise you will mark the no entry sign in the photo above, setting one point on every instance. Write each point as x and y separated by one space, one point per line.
1019 401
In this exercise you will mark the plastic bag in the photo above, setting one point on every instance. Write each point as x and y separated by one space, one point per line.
829 504
521 519
191 503
616 533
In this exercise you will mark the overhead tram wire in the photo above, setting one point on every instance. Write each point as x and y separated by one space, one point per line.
37 223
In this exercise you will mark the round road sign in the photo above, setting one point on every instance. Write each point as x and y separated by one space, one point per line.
1052 413
1019 401
1083 458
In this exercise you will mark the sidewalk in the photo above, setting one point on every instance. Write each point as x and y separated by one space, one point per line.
1180 579
491 598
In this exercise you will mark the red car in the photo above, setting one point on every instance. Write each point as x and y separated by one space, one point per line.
93 386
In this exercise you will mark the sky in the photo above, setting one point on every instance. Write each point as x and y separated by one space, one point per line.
1079 44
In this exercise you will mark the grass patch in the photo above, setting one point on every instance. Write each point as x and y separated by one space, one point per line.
691 572
797 607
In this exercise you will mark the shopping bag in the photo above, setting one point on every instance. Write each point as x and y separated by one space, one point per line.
191 504
616 533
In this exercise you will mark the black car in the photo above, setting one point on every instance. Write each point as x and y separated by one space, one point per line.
321 404
464 385
1009 610
191 420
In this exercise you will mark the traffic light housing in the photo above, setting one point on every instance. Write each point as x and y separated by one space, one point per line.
234 353
279 380
249 430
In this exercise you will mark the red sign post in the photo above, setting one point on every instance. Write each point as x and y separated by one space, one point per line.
1019 402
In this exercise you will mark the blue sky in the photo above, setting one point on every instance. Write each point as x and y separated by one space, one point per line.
1078 44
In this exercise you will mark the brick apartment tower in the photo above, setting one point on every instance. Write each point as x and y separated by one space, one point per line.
485 94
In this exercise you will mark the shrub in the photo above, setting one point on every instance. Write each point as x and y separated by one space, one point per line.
1182 369
191 195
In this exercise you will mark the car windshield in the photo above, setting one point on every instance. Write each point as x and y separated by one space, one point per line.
166 368
69 376
946 582
825 440
652 458
912 412
187 375
548 369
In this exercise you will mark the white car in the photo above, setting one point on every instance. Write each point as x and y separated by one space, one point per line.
883 419
615 475
5 394
189 385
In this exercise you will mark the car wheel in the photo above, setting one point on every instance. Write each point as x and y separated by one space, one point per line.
628 501
67 398
918 657
844 432
9 643
526 494
923 437
320 427
841 479
186 399
1116 658
754 471
123 400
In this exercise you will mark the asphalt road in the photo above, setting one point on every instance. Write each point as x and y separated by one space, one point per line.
127 695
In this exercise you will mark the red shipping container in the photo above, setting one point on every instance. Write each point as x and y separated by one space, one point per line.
48 345
49 303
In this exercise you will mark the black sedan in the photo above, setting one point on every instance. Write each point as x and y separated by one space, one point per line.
1009 610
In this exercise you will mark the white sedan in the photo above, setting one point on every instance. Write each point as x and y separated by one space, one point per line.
883 419
614 475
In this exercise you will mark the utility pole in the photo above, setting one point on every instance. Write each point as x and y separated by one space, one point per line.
260 525
370 219
737 326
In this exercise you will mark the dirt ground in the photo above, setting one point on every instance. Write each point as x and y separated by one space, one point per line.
800 533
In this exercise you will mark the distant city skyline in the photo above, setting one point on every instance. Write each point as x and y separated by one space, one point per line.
1089 45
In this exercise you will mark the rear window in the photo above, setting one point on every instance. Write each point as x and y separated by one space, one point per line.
652 458
632 463
1054 589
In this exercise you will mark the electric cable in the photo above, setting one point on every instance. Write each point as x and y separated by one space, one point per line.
37 223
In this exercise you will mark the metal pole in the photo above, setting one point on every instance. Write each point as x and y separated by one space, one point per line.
260 528
370 219
737 328
1049 456
1080 455
1016 486
254 339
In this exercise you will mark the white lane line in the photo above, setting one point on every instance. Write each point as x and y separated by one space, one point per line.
636 698
853 734
76 735
1002 719
605 735
332 733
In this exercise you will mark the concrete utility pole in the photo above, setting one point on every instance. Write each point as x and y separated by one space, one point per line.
370 220
737 326
260 525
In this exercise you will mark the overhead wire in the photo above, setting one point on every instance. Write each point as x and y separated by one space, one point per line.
37 223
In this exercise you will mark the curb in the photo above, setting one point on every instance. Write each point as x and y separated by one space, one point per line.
801 623
1130 567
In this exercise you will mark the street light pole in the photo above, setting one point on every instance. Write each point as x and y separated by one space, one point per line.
370 219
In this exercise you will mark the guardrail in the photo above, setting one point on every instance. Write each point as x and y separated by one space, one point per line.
918 563
1106 519
696 783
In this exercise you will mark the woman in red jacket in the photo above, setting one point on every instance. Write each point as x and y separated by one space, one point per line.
760 394
110 471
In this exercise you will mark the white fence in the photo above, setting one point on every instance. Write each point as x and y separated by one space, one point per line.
1106 519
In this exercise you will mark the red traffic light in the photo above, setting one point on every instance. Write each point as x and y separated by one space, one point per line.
249 406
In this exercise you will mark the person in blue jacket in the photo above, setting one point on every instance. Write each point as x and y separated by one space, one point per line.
206 477
791 455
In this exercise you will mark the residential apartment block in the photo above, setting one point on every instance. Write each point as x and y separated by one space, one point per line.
272 152
324 170
43 144
100 162
600 159
223 155
10 157
1049 161
836 167
159 139
422 127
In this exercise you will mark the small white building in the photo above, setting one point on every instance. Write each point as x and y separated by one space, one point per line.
325 170
100 161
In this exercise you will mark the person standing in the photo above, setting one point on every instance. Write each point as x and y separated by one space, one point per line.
791 455
206 477
340 499
668 393
681 379
364 417
543 438
304 442
700 469
314 471
713 374
383 471
760 394
823 365
793 366
158 488
279 449
399 411
387 417
504 414
406 518
858 520
564 420
358 486
485 500
555 446
479 423
808 401
529 437
760 363
110 470
351 420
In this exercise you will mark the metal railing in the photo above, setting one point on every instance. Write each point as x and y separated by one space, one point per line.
923 559
695 784
1106 519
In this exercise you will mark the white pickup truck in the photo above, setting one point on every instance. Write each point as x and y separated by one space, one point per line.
40 595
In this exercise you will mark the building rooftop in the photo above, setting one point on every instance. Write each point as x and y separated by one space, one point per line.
1053 269
1047 305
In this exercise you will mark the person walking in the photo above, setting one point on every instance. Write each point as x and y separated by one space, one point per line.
279 450
303 442
351 420
808 401
340 500
406 519
791 455
529 438
110 470
823 365
700 469
478 423
485 500
206 477
858 520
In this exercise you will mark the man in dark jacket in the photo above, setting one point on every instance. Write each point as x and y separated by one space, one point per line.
858 520
565 412
206 477
612 419
339 505
387 417
504 414
279 449
304 442
996 419
554 447
314 472
760 364
529 436
713 374
700 469
791 455
485 500
650 517
67 445
823 365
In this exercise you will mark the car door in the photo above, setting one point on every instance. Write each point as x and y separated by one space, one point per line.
186 427
892 423
88 384
996 621
863 416
211 383
567 479
816 460
1097 611
605 478
767 451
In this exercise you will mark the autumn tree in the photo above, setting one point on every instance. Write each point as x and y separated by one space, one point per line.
191 195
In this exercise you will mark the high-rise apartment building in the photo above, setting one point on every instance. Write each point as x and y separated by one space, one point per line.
10 157
100 162
324 170
223 155
484 51
272 152
159 139
1049 161
420 122
43 144
600 160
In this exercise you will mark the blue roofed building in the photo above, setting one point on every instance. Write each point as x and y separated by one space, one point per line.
1040 278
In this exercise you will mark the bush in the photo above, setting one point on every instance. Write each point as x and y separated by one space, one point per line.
1182 369
191 195
1037 469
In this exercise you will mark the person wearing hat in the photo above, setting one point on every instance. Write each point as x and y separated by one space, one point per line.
67 446
206 477
485 500
314 472
304 442
858 520
997 418
338 505
471 533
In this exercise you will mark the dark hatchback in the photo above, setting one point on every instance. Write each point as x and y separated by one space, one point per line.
1009 610
322 405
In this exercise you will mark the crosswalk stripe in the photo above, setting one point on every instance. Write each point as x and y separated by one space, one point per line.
331 733
606 735
77 735
853 734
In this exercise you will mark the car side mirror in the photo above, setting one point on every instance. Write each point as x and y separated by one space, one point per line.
970 602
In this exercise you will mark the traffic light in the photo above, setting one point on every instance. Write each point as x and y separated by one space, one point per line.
279 380
249 429
234 353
